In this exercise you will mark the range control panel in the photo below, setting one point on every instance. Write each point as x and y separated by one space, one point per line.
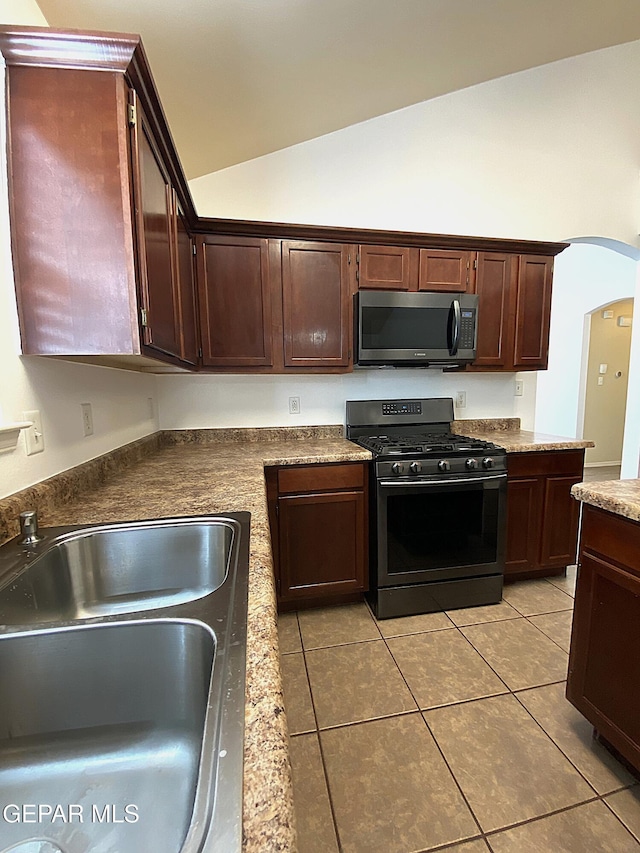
400 407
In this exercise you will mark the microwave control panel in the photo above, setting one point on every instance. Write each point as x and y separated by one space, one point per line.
467 330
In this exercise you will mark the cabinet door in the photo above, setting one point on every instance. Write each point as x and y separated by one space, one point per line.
316 304
559 540
448 270
155 219
321 544
533 312
524 511
604 664
235 302
186 281
495 285
387 268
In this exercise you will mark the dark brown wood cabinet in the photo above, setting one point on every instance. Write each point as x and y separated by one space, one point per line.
102 224
316 304
95 187
414 269
604 661
275 305
318 517
514 311
235 302
542 517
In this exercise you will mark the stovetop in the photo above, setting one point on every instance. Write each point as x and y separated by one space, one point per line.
413 438
424 444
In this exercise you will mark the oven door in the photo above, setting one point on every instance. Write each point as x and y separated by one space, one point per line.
439 529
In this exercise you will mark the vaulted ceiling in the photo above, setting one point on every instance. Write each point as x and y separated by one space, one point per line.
242 78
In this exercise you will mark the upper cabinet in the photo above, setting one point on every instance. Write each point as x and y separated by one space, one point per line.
316 304
275 305
404 268
98 242
514 311
112 263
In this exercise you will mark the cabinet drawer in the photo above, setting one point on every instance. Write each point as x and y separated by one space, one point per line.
319 478
613 536
543 462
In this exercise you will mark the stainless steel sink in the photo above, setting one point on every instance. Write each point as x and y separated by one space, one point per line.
120 568
127 730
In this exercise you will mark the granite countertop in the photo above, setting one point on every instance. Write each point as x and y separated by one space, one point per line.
506 432
621 497
204 477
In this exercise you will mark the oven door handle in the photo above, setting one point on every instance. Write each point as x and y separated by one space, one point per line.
448 481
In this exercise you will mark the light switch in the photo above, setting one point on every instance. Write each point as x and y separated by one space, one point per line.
603 368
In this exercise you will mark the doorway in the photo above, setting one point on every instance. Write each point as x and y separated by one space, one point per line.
604 381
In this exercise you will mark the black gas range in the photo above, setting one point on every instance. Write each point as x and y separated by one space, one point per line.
438 507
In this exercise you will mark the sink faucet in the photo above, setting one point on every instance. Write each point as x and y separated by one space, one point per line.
29 527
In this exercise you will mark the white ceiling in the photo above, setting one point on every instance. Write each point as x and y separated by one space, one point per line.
241 78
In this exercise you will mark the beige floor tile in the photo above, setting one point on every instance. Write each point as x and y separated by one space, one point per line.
626 804
333 626
487 613
566 583
297 697
507 767
413 624
356 682
536 596
289 633
476 846
520 654
590 828
574 735
443 667
557 626
392 792
314 821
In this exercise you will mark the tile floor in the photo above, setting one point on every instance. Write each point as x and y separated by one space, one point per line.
448 731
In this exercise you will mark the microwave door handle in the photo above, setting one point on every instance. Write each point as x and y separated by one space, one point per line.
455 331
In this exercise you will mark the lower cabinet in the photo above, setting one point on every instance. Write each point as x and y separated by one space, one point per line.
542 517
318 518
604 662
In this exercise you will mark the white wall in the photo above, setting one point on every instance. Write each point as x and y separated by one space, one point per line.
545 154
631 446
118 398
220 401
585 277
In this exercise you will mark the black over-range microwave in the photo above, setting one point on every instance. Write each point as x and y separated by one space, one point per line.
415 329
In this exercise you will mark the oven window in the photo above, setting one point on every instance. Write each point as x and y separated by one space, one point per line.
440 529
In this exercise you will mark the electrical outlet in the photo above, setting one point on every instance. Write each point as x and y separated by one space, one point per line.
294 405
87 418
519 388
461 399
33 437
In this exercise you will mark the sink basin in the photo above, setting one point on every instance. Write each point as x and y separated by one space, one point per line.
127 730
120 568
109 722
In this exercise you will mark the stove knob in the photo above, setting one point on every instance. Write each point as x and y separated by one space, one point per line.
444 465
415 467
397 468
488 462
471 464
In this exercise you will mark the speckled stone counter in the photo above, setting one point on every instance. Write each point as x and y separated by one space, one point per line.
621 497
506 432
204 472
